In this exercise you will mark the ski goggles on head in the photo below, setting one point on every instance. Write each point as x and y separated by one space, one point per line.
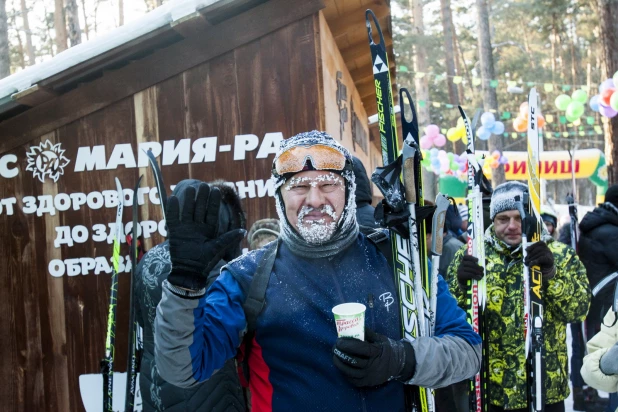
322 157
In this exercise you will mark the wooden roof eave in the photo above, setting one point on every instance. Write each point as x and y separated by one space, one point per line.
346 20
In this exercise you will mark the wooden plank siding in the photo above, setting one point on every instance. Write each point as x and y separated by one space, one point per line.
271 69
333 62
54 328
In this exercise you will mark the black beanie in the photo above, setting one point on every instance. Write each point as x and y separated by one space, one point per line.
611 195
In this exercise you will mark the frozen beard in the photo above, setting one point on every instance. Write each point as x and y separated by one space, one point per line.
316 231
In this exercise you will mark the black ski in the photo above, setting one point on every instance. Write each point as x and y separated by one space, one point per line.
135 346
402 255
158 180
107 363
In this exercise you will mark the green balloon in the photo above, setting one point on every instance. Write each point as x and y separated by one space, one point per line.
562 101
580 96
574 111
615 77
450 155
613 101
426 162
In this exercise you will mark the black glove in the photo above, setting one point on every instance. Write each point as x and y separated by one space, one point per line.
468 269
374 361
397 220
194 246
539 254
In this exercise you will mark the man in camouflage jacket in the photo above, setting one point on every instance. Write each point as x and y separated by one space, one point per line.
566 295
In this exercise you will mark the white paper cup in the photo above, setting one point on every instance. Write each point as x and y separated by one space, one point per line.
350 320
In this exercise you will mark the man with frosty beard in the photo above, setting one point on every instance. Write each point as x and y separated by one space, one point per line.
296 361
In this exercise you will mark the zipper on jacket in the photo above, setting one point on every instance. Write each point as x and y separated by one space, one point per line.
371 311
363 400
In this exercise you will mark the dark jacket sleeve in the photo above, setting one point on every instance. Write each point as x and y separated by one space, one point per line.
194 337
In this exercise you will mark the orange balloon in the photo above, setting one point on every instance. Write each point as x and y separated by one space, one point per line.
541 121
523 108
520 125
606 95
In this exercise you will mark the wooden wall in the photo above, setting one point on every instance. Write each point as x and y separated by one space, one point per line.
53 328
332 63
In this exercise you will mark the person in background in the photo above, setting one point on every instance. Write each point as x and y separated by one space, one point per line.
364 197
600 367
597 250
221 393
262 232
551 221
463 213
450 244
566 299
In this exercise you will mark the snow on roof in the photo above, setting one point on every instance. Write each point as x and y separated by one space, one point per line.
157 18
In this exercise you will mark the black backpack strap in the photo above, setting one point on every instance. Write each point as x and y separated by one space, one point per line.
256 299
381 239
257 291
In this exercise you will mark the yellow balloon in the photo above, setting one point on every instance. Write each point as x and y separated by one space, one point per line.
464 139
452 135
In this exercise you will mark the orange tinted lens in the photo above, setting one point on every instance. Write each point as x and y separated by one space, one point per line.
322 157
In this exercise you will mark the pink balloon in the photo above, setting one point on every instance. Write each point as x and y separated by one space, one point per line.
425 142
432 130
439 140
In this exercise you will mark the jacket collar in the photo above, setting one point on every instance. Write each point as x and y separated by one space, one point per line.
504 249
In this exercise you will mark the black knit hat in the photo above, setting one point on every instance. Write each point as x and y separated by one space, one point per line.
611 195
503 197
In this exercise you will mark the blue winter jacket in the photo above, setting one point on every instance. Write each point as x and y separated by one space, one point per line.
290 362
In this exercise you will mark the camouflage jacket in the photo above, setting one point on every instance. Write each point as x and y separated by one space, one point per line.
566 300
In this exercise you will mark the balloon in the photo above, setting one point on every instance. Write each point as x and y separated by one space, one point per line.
494 164
495 154
432 130
562 101
498 128
540 121
464 139
613 101
607 111
607 84
574 110
523 108
503 160
488 119
594 102
520 125
454 166
483 133
579 96
425 142
452 135
571 118
439 140
433 152
606 95
615 77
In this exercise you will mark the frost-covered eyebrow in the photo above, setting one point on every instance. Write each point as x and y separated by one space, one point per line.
313 181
